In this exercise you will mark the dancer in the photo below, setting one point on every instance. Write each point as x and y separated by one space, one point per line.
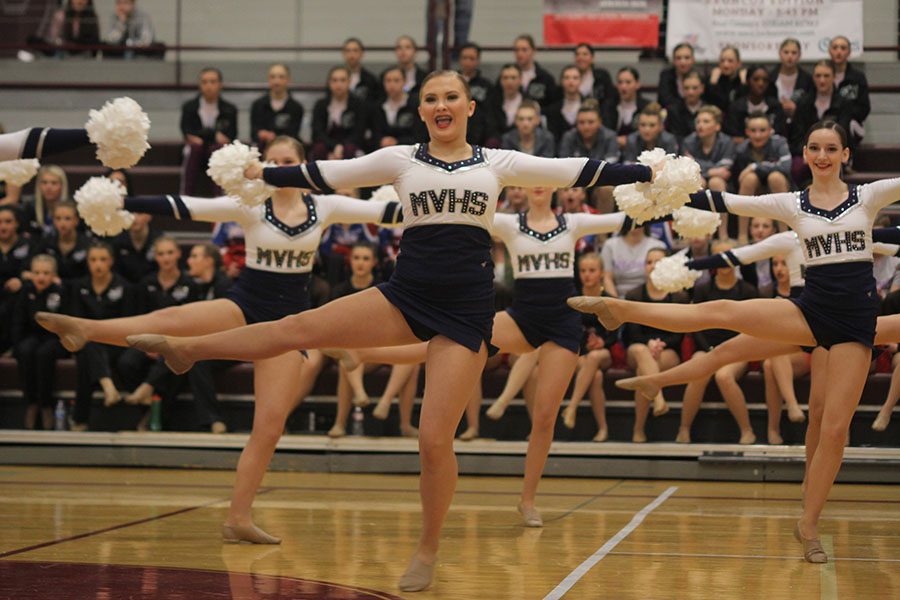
836 310
441 290
541 246
38 142
282 237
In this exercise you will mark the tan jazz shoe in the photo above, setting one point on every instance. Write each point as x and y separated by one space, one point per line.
531 515
247 534
813 552
597 306
417 577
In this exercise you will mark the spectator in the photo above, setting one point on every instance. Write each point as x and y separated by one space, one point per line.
537 83
169 286
650 135
589 138
75 23
505 101
573 200
204 267
621 111
207 123
14 252
133 248
229 237
275 113
779 372
513 200
725 286
595 351
51 188
528 137
812 108
671 79
682 112
36 349
561 114
66 244
405 50
595 81
713 151
482 130
363 83
728 81
624 261
394 120
788 81
762 161
650 350
851 84
129 27
338 242
338 122
101 295
756 101
759 274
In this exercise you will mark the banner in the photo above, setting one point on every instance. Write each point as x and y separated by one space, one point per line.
757 27
630 23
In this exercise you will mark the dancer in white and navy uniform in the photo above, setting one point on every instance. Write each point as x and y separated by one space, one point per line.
282 236
541 247
441 290
38 142
836 310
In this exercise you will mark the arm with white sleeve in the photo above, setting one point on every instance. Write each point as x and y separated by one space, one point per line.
886 235
879 194
381 167
347 210
778 244
516 168
38 142
782 207
587 224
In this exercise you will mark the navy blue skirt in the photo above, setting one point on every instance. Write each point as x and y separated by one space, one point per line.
265 296
444 284
840 303
539 309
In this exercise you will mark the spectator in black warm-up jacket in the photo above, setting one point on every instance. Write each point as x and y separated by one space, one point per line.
482 130
363 83
755 101
562 113
207 123
620 113
683 110
394 120
728 81
36 350
851 84
595 81
671 79
275 113
339 120
537 83
66 244
14 253
101 295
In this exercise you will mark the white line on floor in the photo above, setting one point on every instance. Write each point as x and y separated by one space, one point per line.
572 578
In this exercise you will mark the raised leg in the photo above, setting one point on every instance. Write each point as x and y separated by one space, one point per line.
515 381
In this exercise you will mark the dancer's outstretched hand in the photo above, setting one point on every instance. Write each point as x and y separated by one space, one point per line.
254 171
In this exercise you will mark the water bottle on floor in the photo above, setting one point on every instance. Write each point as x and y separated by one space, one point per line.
357 426
156 414
59 416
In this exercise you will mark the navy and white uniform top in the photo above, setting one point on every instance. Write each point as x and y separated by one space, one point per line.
551 255
434 192
843 234
271 244
38 142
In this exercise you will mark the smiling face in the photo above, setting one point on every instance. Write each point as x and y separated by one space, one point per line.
445 108
824 153
100 262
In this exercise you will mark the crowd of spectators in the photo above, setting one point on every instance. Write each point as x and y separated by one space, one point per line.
743 125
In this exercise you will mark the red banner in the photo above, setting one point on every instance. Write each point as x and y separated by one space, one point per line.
605 29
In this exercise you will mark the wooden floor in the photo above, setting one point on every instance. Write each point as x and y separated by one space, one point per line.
131 533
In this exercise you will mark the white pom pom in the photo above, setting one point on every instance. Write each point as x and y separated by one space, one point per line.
692 223
100 203
671 274
226 168
676 179
19 172
119 130
387 193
